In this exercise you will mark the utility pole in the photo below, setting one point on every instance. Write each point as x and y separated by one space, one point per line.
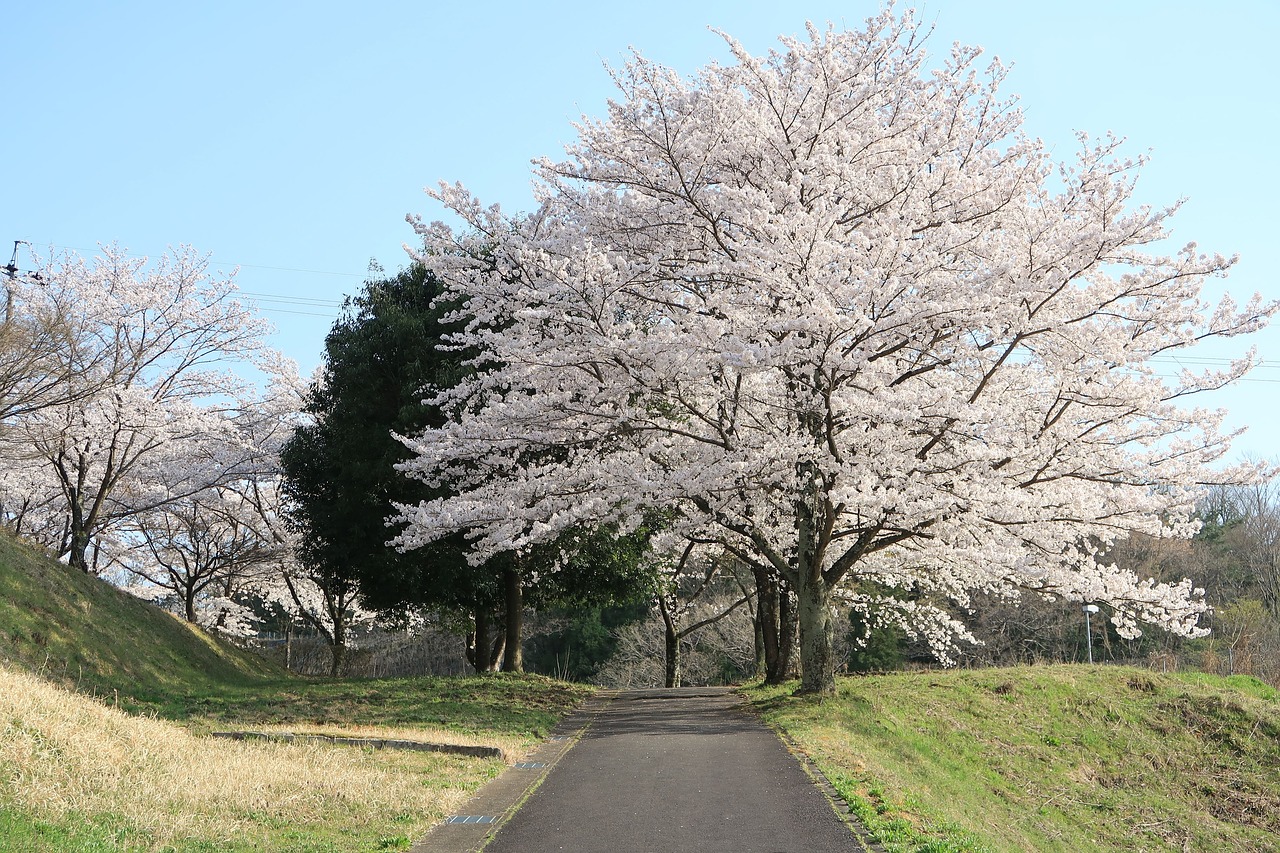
11 273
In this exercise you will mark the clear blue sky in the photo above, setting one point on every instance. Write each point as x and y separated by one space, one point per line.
292 138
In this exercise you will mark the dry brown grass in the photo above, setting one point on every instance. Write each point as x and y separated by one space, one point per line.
62 753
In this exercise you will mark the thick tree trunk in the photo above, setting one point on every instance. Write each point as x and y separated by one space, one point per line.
339 658
338 647
817 634
768 618
673 659
189 604
77 556
760 669
513 658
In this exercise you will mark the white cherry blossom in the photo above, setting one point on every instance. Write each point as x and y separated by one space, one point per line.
834 305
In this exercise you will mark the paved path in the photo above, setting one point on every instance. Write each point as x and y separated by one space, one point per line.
669 770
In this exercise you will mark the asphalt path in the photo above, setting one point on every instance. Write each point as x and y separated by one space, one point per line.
676 770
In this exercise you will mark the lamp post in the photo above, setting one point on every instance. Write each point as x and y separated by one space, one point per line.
1089 610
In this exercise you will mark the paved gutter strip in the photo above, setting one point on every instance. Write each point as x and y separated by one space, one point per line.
370 743
480 818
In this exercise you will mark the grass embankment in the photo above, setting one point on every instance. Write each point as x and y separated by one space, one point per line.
83 776
79 631
521 707
1069 758
131 767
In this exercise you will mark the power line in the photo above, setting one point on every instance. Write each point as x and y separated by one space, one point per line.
302 313
290 299
361 275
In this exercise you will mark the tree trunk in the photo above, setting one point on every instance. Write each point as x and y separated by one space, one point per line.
673 659
770 626
189 602
672 644
496 650
757 623
787 629
478 642
339 648
513 658
77 556
817 634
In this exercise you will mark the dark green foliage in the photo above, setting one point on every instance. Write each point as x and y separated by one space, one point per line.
593 568
885 648
381 362
576 651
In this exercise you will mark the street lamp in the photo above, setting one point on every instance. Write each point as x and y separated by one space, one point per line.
1089 610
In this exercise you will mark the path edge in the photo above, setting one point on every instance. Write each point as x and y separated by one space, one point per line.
501 797
835 799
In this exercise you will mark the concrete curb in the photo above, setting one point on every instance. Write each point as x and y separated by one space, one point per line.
479 819
369 743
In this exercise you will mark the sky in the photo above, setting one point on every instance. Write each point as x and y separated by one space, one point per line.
290 140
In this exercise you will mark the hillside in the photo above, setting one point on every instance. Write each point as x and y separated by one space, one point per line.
85 633
1050 758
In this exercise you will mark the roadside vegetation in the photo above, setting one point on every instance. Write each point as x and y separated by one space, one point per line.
1066 758
127 763
515 708
87 776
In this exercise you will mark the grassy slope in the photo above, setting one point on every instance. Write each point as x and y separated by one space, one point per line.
1047 758
1069 758
83 633
80 631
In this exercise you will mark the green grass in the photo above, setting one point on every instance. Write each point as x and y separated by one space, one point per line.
344 832
20 832
84 633
524 706
1060 758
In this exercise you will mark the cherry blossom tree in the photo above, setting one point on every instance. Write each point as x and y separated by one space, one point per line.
833 304
31 505
152 415
199 546
43 329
